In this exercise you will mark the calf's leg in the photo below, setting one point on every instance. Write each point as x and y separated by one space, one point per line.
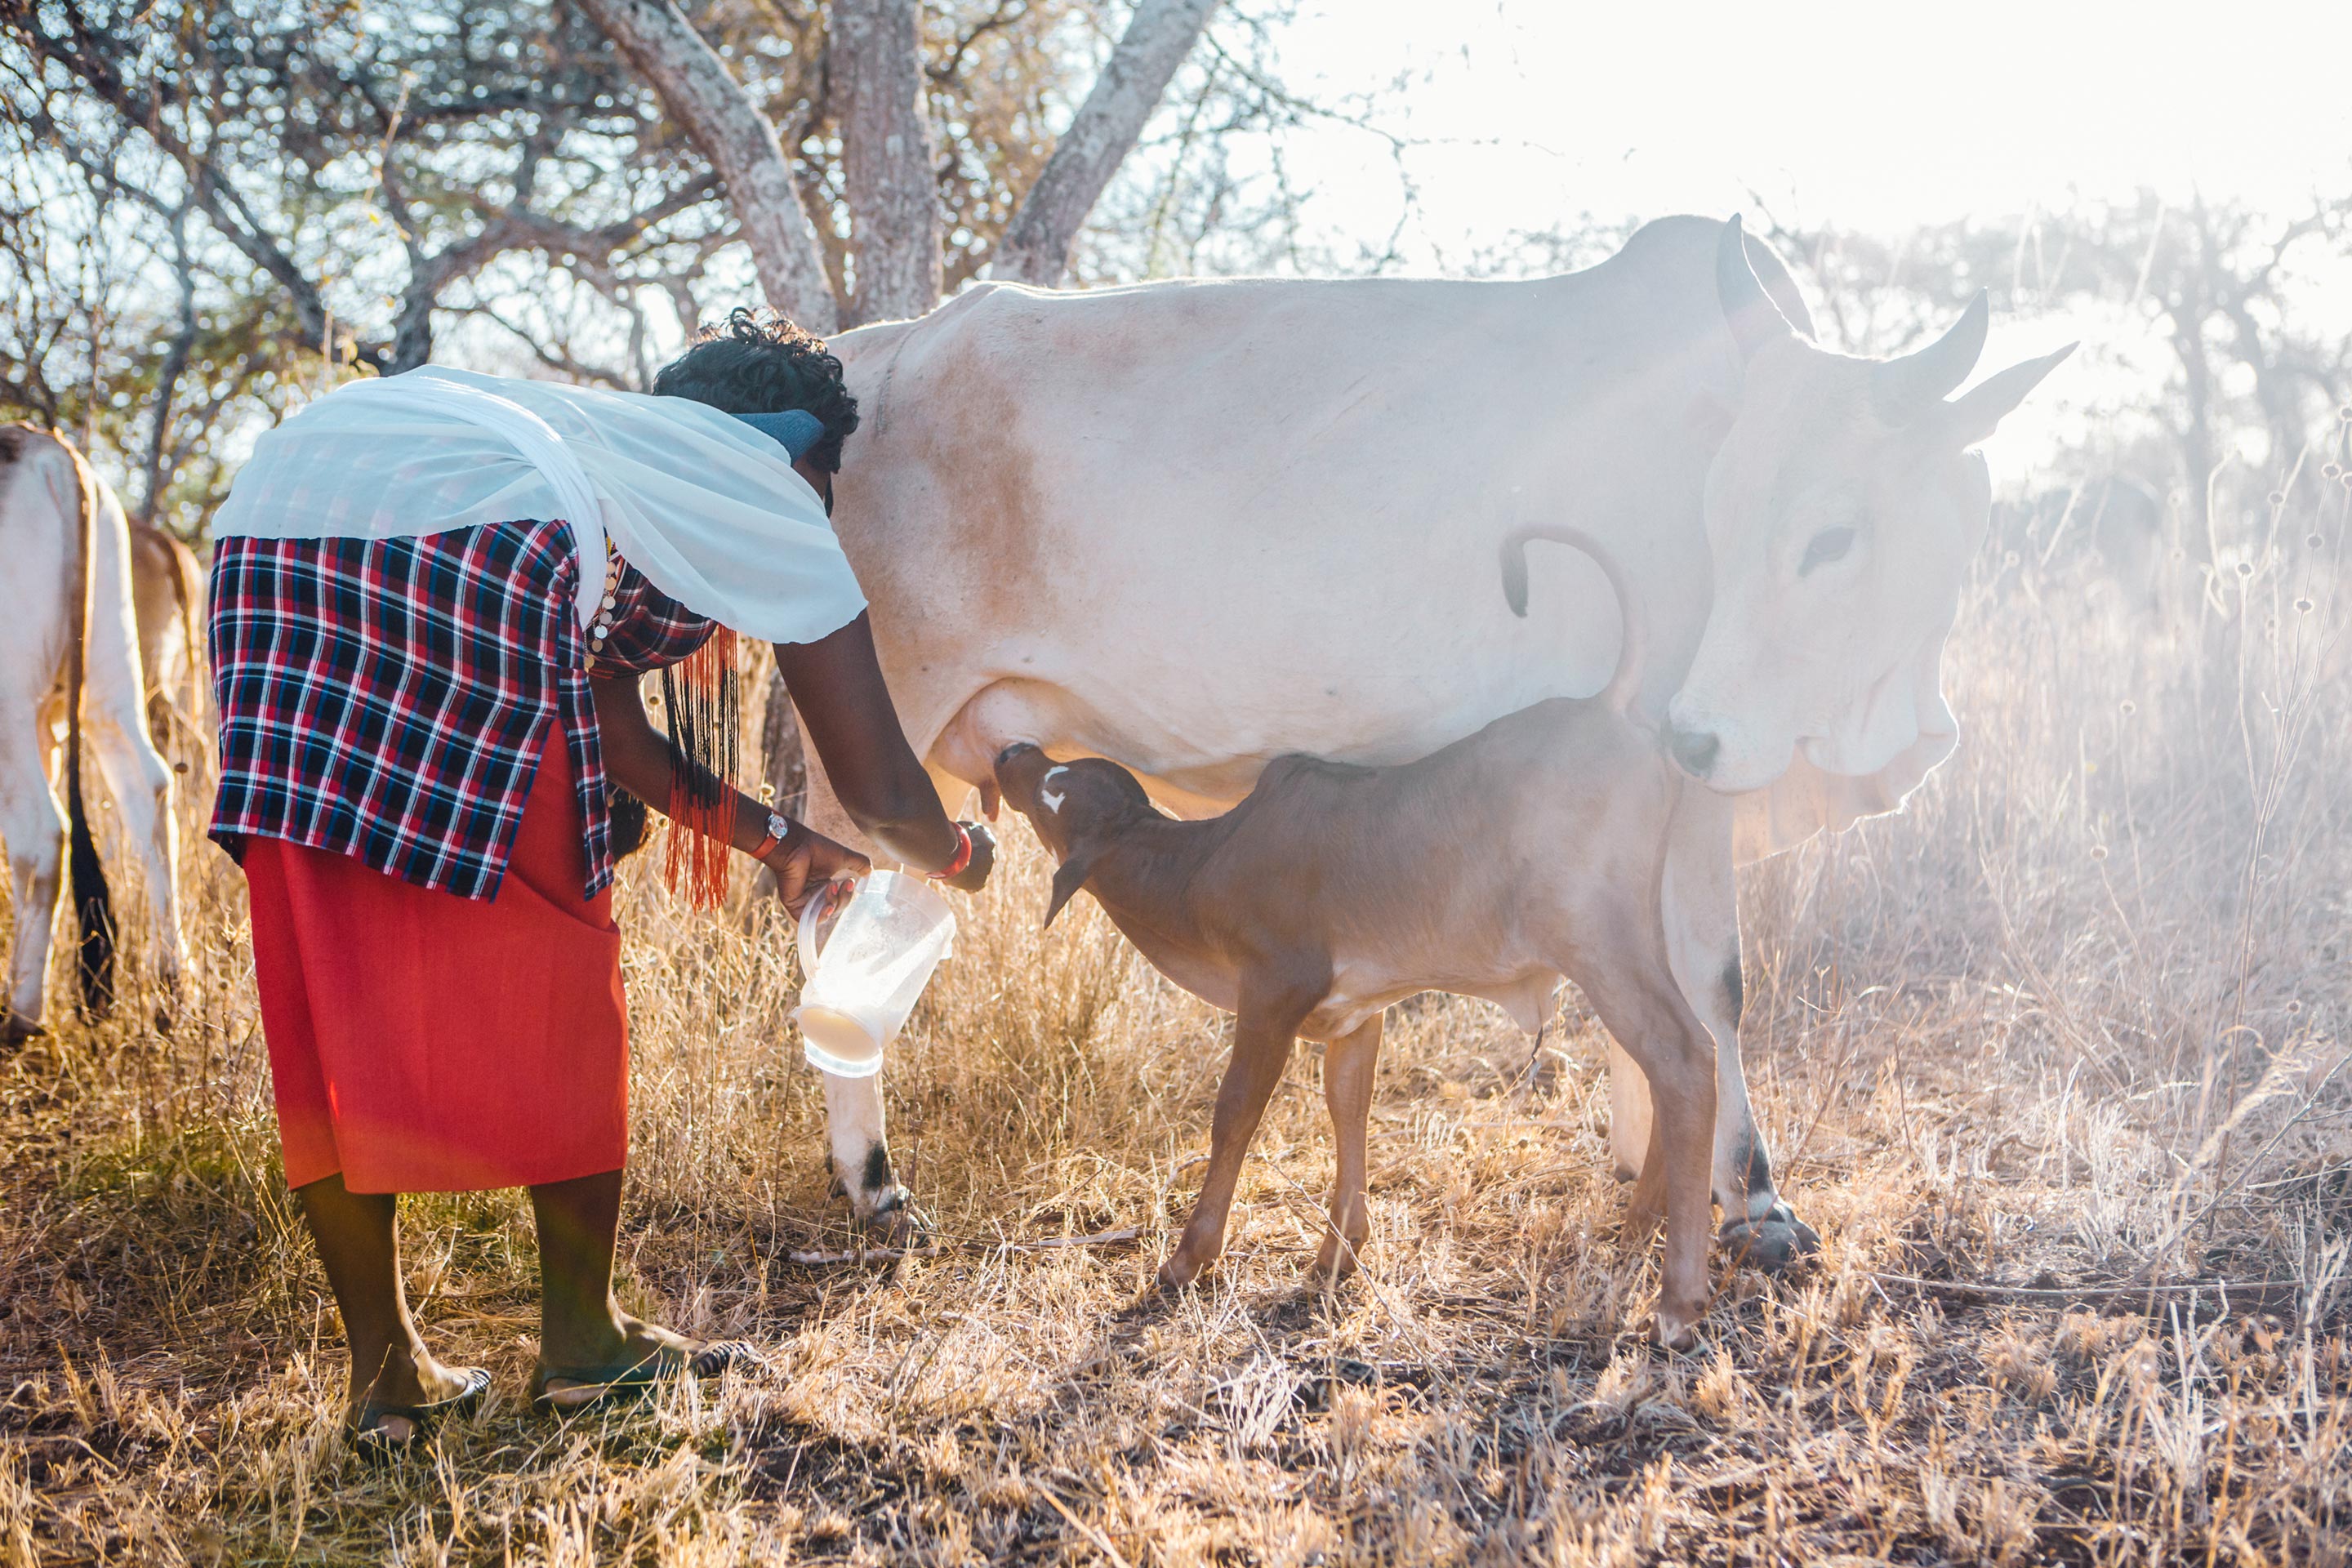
1264 1027
1629 1113
1348 1067
1702 920
1634 991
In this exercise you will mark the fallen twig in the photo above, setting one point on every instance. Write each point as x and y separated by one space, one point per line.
885 1254
2088 1294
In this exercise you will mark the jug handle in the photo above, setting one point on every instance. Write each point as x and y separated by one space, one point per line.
812 951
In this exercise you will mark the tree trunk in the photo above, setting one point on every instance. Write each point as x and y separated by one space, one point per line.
888 158
2197 446
782 761
729 130
1036 245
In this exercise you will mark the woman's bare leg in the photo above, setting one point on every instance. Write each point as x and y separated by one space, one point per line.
581 1324
358 1237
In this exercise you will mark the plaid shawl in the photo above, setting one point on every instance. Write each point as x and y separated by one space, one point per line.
387 698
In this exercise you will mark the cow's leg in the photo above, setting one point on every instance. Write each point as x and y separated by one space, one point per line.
140 782
859 1148
34 830
1347 1069
1702 916
861 1154
114 722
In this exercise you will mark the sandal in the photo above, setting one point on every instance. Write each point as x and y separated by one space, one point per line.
620 1379
374 1443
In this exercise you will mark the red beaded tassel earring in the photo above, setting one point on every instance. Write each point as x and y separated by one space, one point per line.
705 731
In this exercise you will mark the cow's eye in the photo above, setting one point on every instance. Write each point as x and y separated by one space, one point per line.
1829 544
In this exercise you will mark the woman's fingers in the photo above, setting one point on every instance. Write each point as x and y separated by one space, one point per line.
809 864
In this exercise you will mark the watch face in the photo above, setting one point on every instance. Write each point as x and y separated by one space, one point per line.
779 825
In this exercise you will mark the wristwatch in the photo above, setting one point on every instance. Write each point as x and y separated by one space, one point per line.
779 827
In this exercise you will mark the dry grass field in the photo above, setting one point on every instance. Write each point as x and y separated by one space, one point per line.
2056 1061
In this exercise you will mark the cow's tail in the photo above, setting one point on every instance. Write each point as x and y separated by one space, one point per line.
93 904
1626 682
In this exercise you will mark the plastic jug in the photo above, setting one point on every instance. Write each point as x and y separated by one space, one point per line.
863 978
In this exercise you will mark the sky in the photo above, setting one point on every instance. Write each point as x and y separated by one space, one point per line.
1874 116
1526 115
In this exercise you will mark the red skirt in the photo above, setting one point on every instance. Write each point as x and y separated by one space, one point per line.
420 1042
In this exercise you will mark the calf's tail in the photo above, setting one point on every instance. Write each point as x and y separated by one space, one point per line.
93 903
1627 681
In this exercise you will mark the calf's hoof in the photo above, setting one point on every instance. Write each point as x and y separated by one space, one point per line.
1675 1327
17 1029
1337 1259
1180 1272
1772 1243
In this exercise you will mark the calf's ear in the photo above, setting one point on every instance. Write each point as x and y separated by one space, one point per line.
1070 876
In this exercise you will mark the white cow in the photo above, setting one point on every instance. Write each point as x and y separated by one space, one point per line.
1193 526
69 652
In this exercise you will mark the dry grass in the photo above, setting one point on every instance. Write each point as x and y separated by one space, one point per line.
2073 1026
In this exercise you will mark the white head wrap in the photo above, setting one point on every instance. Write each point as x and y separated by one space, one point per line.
706 507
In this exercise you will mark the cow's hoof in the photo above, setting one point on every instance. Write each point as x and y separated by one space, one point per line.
895 1218
1772 1243
15 1029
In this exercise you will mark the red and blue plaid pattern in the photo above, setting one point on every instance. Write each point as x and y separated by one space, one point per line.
387 698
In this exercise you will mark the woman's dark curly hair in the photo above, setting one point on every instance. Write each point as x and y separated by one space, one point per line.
756 362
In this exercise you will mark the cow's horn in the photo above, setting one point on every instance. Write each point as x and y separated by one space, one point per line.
1904 388
1755 319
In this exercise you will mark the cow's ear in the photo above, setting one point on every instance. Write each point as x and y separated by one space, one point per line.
1970 417
1070 876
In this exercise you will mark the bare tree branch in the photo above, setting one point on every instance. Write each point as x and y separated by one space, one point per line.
1036 248
176 365
84 55
741 143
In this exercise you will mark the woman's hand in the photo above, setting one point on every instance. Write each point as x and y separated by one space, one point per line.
807 862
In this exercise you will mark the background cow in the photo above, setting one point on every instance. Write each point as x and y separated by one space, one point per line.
167 595
69 652
2111 536
1193 526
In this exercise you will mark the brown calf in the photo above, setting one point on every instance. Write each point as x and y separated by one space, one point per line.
1530 850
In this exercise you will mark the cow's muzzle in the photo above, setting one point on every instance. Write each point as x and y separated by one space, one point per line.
1694 751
